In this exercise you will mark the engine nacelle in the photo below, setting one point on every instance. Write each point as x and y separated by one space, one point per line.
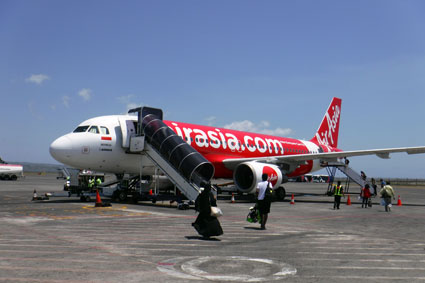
248 174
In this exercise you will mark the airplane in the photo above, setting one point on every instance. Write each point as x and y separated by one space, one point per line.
102 143
10 171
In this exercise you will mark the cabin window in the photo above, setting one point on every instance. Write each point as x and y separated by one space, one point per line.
81 129
104 130
94 130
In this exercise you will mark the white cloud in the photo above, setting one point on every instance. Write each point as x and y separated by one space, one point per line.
127 100
33 109
65 100
261 128
37 79
85 93
210 120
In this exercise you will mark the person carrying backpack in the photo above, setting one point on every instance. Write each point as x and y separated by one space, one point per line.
387 192
264 190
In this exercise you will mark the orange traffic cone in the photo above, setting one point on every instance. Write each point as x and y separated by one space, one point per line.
232 200
98 201
348 200
292 199
399 201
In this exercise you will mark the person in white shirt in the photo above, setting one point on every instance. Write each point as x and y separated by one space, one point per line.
263 201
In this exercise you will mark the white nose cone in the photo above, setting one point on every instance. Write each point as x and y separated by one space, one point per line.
61 149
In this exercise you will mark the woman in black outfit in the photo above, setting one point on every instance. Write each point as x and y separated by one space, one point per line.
205 224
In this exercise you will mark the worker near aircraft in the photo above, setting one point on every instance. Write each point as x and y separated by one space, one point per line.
338 193
98 182
264 200
91 183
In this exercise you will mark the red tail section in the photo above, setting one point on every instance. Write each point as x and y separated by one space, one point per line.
327 134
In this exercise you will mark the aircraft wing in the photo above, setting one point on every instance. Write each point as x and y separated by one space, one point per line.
326 157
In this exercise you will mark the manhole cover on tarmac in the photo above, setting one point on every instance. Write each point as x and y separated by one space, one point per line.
229 268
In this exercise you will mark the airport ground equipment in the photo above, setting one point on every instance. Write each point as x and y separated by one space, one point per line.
351 174
77 183
185 167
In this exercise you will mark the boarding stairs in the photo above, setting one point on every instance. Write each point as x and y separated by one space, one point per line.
182 164
351 174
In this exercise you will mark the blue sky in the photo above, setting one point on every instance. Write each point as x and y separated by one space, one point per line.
256 65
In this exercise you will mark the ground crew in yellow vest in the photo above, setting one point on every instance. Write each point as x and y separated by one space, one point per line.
98 182
91 183
338 193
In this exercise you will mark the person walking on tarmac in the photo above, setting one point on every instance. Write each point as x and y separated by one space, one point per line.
206 224
365 194
264 200
374 190
387 192
338 193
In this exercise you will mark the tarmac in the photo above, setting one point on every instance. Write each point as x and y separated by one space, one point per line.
65 240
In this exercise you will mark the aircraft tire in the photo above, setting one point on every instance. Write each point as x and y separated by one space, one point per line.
14 178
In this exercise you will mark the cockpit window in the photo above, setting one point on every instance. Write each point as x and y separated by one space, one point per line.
81 129
104 130
94 130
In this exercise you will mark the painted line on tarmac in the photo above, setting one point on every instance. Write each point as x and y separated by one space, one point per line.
369 267
23 279
23 240
369 260
38 259
40 246
367 278
351 253
52 269
58 252
141 244
192 268
356 248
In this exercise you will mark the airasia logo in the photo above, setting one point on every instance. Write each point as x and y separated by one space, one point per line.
272 174
326 136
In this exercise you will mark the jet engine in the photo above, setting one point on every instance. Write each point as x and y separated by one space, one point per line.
248 174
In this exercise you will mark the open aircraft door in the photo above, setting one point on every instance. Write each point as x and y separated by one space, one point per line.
128 130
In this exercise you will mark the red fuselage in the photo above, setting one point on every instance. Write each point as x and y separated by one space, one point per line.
218 144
